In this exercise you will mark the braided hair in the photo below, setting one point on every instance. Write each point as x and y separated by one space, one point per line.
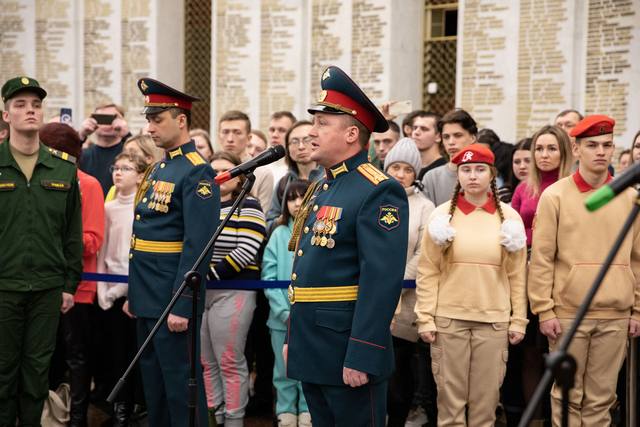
454 200
494 194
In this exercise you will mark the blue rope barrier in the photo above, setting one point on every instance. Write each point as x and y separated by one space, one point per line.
222 284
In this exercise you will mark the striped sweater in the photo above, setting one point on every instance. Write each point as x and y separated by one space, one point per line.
239 243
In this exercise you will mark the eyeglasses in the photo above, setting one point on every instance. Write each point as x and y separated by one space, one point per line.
113 169
297 141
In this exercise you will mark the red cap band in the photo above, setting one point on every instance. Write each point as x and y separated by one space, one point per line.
342 102
157 100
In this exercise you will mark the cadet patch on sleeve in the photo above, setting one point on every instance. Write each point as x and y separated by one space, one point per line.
388 217
55 185
204 190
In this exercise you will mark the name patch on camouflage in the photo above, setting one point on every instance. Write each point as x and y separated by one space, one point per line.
388 217
204 190
55 185
7 186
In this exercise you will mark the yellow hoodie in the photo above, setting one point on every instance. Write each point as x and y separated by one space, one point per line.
473 277
569 247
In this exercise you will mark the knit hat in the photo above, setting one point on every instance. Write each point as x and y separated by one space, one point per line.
405 151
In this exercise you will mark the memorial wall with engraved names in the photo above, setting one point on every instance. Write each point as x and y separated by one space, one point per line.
269 55
83 52
520 63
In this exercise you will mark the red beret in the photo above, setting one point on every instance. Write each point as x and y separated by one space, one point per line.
474 153
594 125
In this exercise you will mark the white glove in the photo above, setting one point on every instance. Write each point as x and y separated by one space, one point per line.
441 231
513 235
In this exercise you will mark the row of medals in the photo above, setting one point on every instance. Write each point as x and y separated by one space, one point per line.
161 196
322 228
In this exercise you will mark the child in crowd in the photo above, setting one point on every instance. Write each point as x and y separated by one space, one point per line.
228 313
120 334
291 406
471 296
141 146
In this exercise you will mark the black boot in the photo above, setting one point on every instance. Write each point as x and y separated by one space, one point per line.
79 395
121 414
77 333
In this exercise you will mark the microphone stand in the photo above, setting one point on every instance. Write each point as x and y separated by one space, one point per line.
561 366
192 279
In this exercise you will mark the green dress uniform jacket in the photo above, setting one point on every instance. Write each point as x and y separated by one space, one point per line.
40 224
355 234
40 257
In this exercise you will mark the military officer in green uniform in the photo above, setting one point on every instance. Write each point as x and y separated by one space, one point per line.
176 212
350 243
40 253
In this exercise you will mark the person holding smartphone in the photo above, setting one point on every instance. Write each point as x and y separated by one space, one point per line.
110 130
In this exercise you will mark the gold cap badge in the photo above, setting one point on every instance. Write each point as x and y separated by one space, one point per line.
24 81
323 96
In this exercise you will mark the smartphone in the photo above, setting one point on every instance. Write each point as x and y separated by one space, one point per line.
104 119
65 116
401 107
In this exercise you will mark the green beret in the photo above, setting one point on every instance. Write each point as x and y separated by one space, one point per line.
18 84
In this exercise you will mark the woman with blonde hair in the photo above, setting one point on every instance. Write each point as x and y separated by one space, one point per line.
143 146
471 296
551 160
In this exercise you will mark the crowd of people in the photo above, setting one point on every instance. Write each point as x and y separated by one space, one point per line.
499 246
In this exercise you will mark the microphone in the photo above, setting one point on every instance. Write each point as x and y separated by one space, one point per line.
264 158
607 192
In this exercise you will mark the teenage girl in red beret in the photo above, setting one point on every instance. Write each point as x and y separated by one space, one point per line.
471 296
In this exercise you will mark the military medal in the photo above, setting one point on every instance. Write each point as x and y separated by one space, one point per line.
323 241
330 243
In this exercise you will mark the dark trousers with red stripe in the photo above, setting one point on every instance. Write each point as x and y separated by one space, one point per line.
165 375
339 406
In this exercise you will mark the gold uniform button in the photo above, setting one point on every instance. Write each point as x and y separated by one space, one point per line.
315 208
306 230
153 182
144 200
325 187
130 256
294 276
162 165
300 252
137 217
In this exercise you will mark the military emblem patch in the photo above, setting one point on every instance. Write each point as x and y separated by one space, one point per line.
204 190
388 217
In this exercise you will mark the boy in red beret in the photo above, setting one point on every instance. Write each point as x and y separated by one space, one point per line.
569 247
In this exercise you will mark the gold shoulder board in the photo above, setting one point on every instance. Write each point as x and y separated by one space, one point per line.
62 155
195 158
371 173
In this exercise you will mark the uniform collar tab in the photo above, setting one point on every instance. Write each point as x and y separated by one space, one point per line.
175 153
347 165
